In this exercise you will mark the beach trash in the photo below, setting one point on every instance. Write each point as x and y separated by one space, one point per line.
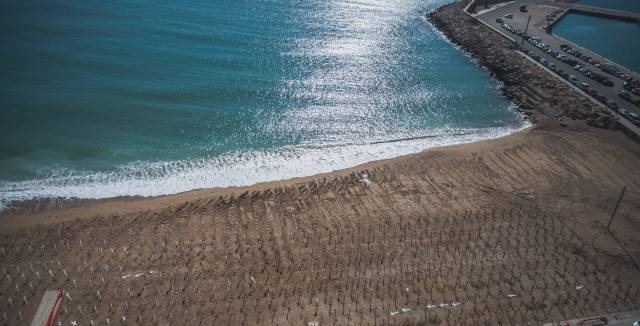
365 179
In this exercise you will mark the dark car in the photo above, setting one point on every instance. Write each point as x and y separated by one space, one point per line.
625 95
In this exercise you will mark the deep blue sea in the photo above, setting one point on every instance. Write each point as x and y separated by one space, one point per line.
109 98
616 40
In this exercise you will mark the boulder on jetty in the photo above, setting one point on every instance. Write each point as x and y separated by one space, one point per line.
535 91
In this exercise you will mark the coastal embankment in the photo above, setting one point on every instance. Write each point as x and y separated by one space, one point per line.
536 92
505 231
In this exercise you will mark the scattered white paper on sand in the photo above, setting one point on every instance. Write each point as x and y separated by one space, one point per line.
137 275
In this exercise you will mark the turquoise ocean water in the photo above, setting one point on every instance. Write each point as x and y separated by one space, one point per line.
614 39
110 98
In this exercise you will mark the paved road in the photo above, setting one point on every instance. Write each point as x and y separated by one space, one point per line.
539 9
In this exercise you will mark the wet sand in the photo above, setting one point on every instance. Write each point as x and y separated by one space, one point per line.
511 231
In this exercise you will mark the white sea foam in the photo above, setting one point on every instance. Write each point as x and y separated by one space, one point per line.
232 169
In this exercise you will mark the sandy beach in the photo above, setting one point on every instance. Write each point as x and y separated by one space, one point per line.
473 224
505 231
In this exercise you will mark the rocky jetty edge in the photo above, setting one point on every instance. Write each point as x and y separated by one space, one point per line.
536 93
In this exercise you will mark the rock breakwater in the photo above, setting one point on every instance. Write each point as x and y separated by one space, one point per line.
537 94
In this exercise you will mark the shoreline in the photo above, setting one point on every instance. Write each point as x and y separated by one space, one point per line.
35 206
525 100
512 230
30 212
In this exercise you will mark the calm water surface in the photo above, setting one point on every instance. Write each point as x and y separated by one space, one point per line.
614 39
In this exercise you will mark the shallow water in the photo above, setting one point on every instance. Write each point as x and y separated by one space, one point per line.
103 99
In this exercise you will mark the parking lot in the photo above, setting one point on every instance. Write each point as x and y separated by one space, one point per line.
603 80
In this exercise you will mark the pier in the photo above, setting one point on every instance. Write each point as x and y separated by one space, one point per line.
538 21
604 12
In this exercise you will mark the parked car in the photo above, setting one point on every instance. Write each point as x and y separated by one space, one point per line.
509 15
608 67
499 20
625 95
